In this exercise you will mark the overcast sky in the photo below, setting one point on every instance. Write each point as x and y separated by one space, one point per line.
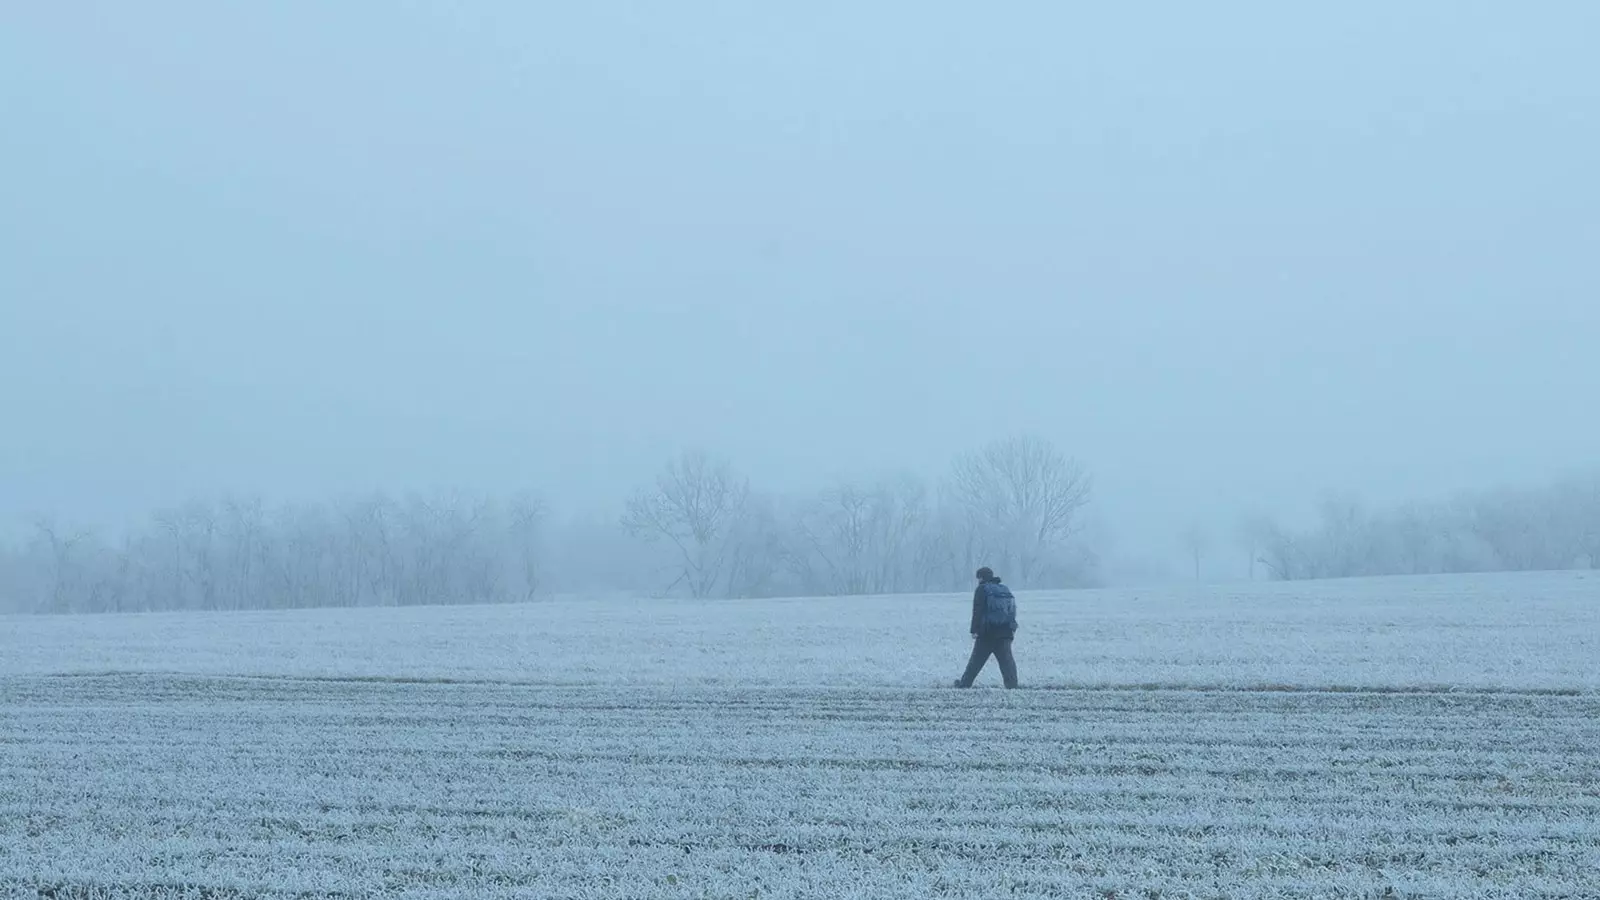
1229 254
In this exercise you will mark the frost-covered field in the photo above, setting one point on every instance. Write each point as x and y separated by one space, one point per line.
1502 631
1404 738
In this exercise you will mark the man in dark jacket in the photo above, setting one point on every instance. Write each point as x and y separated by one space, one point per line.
992 629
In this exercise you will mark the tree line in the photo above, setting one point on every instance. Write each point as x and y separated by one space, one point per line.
701 529
1548 527
698 529
242 554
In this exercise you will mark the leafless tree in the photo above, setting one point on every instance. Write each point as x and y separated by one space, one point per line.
1587 496
64 549
1196 541
1268 545
695 505
1247 536
862 539
1020 498
526 514
370 568
756 550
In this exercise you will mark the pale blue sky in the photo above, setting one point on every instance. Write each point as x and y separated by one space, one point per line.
1230 254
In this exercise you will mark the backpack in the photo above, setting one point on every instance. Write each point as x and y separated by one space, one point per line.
999 608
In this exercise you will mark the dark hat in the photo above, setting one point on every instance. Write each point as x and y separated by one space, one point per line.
985 573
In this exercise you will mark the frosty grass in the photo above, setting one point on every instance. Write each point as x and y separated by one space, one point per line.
1435 737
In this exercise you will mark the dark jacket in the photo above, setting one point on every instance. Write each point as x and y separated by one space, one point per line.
978 601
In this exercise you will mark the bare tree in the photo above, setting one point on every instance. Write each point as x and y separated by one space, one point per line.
242 533
1248 534
862 539
1414 540
696 505
1348 545
526 514
756 550
1020 498
370 568
1587 497
64 550
1196 541
1271 546
447 527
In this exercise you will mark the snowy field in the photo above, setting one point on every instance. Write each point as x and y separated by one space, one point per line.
1399 738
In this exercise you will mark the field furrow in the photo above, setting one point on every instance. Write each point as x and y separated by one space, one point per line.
290 787
1407 738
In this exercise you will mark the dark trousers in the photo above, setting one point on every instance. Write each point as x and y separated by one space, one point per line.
997 645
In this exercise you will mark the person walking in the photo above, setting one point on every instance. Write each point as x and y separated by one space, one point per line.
994 625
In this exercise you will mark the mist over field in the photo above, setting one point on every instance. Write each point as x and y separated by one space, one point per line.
710 450
1421 737
324 275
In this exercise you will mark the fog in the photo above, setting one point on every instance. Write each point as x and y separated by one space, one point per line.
1230 257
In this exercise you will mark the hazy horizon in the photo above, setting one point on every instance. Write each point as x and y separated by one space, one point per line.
1231 259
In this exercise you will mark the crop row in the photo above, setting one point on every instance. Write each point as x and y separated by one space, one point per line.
149 784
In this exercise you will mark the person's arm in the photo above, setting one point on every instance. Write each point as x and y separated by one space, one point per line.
977 610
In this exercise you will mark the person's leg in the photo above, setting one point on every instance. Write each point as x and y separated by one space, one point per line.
981 648
1008 663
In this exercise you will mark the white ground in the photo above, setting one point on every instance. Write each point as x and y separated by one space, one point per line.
1397 738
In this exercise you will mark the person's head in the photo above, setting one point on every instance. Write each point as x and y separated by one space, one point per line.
986 574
